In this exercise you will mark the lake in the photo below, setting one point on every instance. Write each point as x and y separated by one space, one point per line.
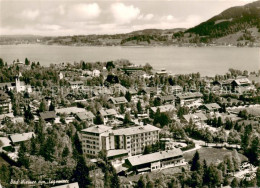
206 60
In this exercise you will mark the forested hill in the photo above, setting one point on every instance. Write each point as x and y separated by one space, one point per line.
230 21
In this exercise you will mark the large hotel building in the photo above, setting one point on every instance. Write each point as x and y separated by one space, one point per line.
132 139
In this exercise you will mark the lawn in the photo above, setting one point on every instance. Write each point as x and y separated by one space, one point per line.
211 155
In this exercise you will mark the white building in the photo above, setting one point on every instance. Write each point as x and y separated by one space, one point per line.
132 139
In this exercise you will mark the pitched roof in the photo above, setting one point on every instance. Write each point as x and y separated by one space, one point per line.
242 81
167 98
97 129
149 158
85 115
135 130
70 110
189 95
107 112
119 100
48 115
212 106
196 116
164 108
21 137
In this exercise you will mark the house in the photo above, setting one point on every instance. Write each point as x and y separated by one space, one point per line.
18 138
132 91
48 115
108 114
118 88
242 85
188 98
196 117
132 139
156 161
9 85
5 103
212 107
69 110
86 116
169 99
163 108
76 84
95 73
162 72
118 100
176 89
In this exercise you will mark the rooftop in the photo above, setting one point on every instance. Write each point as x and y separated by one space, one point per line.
163 108
21 137
135 130
189 95
149 158
97 129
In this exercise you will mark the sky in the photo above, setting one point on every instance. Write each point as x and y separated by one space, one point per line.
82 17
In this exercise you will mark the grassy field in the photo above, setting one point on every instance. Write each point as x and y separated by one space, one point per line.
211 155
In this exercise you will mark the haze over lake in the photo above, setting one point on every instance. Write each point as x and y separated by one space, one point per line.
206 60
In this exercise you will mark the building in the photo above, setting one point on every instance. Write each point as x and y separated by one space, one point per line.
132 139
86 116
108 114
167 99
18 138
5 103
118 100
92 139
156 161
188 98
164 108
48 116
196 117
76 84
212 107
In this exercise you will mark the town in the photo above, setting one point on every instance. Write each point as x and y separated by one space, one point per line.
117 124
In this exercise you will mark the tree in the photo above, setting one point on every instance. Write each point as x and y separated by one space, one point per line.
110 65
48 148
115 182
215 176
128 96
27 62
258 176
22 158
99 120
139 107
81 173
65 152
234 183
77 147
195 163
127 118
253 152
52 106
43 106
141 183
1 63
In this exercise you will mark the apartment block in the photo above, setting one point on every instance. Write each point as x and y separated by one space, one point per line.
132 139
